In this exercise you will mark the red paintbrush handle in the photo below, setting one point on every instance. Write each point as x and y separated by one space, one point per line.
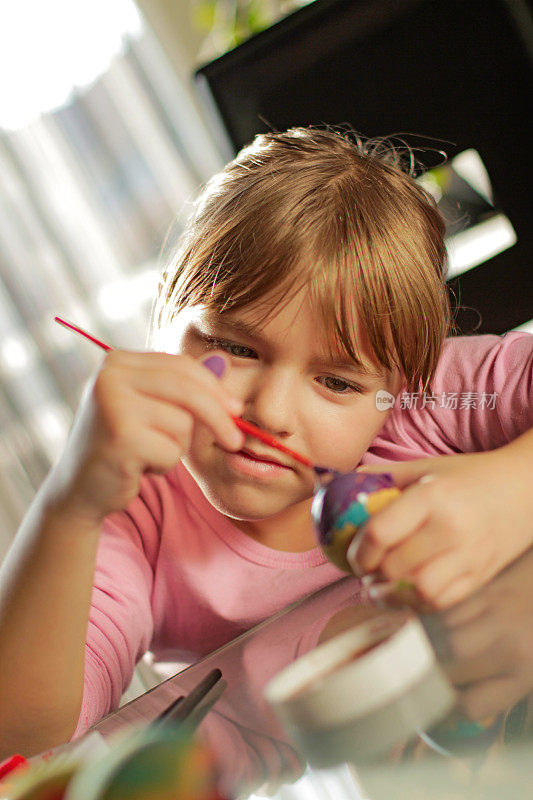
244 426
89 336
248 427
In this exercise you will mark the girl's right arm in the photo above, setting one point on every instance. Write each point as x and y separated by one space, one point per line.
138 415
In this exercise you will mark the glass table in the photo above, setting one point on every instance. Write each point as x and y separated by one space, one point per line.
477 746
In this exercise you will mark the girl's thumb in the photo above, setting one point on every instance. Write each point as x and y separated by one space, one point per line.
403 472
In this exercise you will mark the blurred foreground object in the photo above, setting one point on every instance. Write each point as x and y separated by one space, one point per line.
156 763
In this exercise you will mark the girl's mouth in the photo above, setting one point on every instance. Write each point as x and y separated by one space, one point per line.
254 465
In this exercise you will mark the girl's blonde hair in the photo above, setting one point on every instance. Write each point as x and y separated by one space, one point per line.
343 217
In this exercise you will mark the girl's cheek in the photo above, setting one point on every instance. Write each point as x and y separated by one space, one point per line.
343 441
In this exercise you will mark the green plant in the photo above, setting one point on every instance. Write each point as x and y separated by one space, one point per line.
227 23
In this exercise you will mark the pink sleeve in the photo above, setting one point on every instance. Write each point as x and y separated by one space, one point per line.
481 399
493 379
120 623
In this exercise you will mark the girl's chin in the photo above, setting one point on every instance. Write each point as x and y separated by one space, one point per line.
248 501
247 506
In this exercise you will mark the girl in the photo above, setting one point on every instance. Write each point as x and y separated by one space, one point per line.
309 282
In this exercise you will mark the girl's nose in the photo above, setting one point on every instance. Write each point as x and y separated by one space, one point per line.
271 402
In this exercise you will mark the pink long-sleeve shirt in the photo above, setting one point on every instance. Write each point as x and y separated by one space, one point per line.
175 577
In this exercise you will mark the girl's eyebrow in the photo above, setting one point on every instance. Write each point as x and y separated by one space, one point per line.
342 363
253 332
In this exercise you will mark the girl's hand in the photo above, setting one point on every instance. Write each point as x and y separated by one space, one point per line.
460 520
138 414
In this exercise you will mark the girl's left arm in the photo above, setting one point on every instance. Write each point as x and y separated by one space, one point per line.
459 521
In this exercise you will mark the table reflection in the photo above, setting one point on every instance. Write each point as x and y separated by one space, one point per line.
478 747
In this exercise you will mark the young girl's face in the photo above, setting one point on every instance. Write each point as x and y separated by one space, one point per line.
292 388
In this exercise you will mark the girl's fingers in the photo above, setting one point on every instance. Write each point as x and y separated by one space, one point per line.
192 379
405 473
457 591
157 451
364 555
207 411
389 527
445 580
204 405
167 419
175 422
172 377
409 556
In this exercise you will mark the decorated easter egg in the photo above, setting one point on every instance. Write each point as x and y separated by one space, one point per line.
341 507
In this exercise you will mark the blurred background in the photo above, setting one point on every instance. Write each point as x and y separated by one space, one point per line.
114 113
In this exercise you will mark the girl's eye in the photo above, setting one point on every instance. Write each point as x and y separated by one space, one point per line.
234 349
340 386
239 350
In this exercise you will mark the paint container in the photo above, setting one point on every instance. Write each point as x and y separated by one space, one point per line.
360 694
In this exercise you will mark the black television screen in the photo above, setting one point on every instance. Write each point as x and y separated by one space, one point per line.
446 74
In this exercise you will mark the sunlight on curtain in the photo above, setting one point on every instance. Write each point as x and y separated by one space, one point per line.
87 194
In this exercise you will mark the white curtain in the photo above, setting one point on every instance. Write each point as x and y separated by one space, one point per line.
87 195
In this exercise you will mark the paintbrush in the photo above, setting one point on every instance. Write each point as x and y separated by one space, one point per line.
242 424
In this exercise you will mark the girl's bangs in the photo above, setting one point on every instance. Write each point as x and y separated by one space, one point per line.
339 309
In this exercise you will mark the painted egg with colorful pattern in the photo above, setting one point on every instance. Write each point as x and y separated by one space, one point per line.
341 507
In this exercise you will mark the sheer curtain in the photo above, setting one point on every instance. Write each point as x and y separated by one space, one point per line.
87 195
